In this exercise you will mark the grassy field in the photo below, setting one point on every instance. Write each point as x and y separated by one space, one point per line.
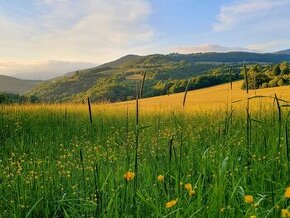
212 97
209 159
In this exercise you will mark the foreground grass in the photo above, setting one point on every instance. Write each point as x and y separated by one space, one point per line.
201 162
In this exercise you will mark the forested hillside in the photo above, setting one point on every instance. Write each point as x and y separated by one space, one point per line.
165 74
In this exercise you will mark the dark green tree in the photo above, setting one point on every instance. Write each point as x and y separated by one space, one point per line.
3 98
276 70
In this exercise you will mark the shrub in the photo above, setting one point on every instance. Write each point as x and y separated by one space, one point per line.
273 82
265 85
280 82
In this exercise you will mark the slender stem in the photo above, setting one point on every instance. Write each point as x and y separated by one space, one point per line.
185 93
90 111
136 151
83 171
142 85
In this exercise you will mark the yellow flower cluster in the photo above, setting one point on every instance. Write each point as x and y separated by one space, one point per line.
188 187
285 213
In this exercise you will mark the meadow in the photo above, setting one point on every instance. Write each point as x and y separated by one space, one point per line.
225 154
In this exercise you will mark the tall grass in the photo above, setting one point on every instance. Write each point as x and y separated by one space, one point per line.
45 173
90 111
185 92
136 147
142 84
248 127
287 140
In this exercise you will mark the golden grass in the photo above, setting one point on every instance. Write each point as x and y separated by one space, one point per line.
208 98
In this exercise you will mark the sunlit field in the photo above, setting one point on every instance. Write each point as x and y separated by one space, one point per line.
210 98
222 155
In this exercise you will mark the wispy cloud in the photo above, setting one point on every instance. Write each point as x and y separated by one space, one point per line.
209 48
268 46
41 70
233 15
93 30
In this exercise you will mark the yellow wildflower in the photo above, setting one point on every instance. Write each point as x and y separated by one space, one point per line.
253 216
191 192
160 178
287 192
285 213
170 204
222 210
249 199
129 175
188 186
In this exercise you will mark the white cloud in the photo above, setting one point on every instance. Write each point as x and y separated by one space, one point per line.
209 48
41 69
86 30
233 15
268 46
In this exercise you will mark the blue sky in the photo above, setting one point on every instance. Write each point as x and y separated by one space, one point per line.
182 20
34 32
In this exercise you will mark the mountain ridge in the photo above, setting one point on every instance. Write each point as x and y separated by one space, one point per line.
114 81
109 80
9 84
286 51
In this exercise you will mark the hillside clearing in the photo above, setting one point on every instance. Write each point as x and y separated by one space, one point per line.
210 97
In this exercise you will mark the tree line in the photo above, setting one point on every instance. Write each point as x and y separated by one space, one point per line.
267 76
10 98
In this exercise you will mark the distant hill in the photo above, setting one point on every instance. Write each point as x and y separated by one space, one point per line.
10 84
114 81
230 57
41 70
283 52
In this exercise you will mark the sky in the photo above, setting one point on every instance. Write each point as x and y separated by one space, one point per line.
45 38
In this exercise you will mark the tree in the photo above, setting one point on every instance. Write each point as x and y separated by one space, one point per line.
273 82
33 99
265 85
276 70
3 98
256 80
286 70
284 65
256 68
280 82
178 86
